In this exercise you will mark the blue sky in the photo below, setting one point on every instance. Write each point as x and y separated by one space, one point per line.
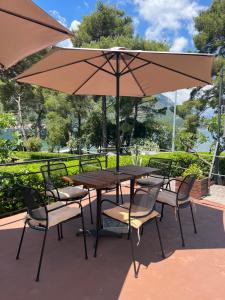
170 20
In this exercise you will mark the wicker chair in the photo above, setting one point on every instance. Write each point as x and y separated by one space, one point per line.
179 199
135 214
42 217
57 189
94 164
164 166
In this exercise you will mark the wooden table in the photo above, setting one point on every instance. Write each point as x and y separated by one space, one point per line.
102 179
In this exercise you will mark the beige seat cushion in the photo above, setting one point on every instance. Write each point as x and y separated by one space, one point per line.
169 198
122 214
56 216
150 181
68 193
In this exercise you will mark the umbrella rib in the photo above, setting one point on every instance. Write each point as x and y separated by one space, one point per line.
134 77
36 21
106 57
58 67
100 68
168 68
97 70
134 69
127 65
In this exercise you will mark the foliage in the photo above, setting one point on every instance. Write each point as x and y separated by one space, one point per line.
57 131
193 169
181 161
210 25
7 120
105 21
33 144
146 145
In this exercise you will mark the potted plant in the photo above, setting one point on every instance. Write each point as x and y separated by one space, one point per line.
201 185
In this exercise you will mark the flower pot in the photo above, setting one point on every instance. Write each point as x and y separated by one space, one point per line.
199 189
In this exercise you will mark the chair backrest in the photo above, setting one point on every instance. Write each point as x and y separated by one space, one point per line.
52 175
34 203
163 164
90 165
185 187
144 201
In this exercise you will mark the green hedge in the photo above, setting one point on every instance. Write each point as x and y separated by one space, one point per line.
9 203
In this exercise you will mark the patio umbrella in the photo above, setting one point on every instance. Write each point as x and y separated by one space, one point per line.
25 29
118 72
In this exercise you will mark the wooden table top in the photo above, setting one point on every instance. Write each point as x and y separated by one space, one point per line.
97 179
135 171
104 178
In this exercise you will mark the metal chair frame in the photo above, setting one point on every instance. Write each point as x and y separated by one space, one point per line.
97 162
28 195
130 227
167 164
49 183
181 206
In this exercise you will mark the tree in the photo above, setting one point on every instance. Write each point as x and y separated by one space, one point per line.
57 135
104 22
7 145
210 25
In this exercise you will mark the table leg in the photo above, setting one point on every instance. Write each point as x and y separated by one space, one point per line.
117 193
132 183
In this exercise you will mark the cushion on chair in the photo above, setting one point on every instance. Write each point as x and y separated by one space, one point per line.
122 214
169 198
150 181
68 193
56 216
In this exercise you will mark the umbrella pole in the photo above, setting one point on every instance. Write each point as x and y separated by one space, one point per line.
117 113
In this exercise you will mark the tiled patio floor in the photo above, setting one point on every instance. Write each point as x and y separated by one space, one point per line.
196 272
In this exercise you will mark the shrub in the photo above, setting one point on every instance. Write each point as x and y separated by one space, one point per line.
193 169
33 144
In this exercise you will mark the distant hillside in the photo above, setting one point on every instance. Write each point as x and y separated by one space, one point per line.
164 101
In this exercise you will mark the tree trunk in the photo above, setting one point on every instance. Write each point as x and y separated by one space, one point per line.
20 117
136 102
104 123
79 134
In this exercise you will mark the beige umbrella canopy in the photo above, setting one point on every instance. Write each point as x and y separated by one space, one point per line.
118 72
25 29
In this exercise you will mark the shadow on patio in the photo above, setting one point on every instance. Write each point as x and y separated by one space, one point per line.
194 272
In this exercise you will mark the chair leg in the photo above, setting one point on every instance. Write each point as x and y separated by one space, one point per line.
133 255
61 231
84 234
58 230
21 240
162 210
96 242
90 207
181 231
160 240
41 256
192 214
121 194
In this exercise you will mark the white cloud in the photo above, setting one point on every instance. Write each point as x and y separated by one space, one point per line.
179 44
65 44
167 16
75 25
58 17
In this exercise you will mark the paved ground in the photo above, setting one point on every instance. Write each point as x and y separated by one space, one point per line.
217 194
196 272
